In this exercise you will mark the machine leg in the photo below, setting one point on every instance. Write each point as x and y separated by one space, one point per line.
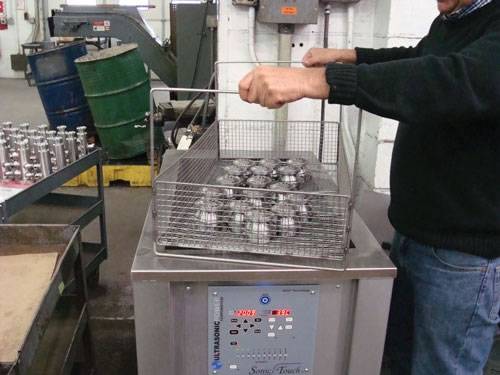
370 325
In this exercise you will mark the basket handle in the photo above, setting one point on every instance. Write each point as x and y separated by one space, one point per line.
151 117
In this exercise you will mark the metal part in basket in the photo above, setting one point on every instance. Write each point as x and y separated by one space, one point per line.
322 208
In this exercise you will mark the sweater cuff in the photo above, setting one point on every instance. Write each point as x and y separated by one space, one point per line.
343 81
364 55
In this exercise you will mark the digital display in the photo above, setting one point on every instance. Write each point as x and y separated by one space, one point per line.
245 312
282 312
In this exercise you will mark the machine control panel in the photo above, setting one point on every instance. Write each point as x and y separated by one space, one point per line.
262 329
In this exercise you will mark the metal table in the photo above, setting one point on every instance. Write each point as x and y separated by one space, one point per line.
91 207
59 335
171 306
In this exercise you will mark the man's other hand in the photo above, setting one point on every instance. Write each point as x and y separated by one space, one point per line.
273 87
321 56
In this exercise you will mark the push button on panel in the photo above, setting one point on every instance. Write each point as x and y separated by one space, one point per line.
265 299
233 332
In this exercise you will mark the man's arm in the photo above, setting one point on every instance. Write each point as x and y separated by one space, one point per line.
457 88
316 57
375 56
452 89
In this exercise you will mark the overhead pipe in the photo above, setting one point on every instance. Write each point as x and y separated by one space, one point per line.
285 32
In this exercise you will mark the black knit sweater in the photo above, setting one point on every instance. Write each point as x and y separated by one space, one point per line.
445 174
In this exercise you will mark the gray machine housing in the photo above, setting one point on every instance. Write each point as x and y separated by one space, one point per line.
288 11
121 22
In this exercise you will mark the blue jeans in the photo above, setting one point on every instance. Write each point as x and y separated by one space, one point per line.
444 310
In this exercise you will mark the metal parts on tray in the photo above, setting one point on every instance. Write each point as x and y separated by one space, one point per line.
256 215
272 202
29 155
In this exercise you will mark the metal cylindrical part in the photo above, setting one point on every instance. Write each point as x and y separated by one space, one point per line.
45 165
32 135
61 132
24 159
71 147
4 128
42 130
13 133
81 129
4 156
59 153
82 144
24 129
52 142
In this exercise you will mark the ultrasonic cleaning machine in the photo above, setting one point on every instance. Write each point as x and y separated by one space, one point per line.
311 297
195 317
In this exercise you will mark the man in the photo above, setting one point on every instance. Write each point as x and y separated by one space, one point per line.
445 175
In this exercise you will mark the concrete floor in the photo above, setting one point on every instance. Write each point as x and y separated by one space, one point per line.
111 303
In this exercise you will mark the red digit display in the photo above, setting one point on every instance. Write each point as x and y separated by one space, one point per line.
282 312
245 312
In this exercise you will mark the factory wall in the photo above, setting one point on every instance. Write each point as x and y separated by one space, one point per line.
21 31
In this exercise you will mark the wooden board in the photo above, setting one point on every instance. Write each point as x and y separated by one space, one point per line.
24 280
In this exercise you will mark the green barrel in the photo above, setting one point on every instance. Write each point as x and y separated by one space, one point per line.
117 86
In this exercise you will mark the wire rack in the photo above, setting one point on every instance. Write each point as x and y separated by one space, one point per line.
309 217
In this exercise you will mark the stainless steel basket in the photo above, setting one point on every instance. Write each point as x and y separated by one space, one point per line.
193 211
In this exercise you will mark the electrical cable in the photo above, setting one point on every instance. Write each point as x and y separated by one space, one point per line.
207 100
177 121
198 53
251 36
190 104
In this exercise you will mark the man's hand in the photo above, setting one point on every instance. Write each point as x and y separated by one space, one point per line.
323 56
274 87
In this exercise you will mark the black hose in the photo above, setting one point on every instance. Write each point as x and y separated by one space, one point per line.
177 126
202 36
177 121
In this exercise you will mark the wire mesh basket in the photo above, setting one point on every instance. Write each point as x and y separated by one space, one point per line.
258 187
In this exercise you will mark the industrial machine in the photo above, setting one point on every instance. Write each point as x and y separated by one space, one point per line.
121 22
186 59
203 316
253 258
